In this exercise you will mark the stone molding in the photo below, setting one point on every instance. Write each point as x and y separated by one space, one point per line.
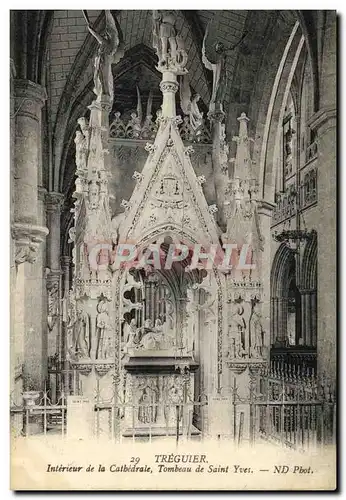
54 201
322 117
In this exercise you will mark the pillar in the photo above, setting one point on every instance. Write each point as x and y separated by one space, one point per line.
28 232
66 262
323 123
265 212
53 282
169 87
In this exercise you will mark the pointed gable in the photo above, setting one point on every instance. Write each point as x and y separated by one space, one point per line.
168 196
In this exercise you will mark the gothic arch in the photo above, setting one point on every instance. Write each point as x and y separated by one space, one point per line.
285 299
283 264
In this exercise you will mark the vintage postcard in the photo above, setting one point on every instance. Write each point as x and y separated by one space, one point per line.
173 249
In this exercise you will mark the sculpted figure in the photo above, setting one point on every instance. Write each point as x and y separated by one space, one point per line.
82 332
214 57
147 411
110 51
130 335
148 337
188 105
164 35
237 330
257 333
102 325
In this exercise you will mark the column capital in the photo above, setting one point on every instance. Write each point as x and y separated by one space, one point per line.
54 201
216 115
28 238
31 96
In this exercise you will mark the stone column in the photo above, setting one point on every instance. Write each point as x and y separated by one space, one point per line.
265 211
28 102
307 317
28 234
169 87
53 281
66 261
314 318
325 124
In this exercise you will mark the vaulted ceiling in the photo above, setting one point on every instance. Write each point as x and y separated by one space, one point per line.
55 49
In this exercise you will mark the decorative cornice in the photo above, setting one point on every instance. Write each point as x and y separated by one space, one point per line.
321 117
103 368
28 238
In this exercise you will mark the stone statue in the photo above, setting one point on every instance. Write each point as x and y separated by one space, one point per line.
82 346
164 36
53 304
110 51
188 105
130 335
80 157
214 57
147 411
102 325
148 335
174 399
94 195
71 325
237 331
257 333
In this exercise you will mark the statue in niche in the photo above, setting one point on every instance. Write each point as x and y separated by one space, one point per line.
147 411
110 51
53 304
190 106
256 333
174 399
102 325
237 333
71 320
214 58
82 346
